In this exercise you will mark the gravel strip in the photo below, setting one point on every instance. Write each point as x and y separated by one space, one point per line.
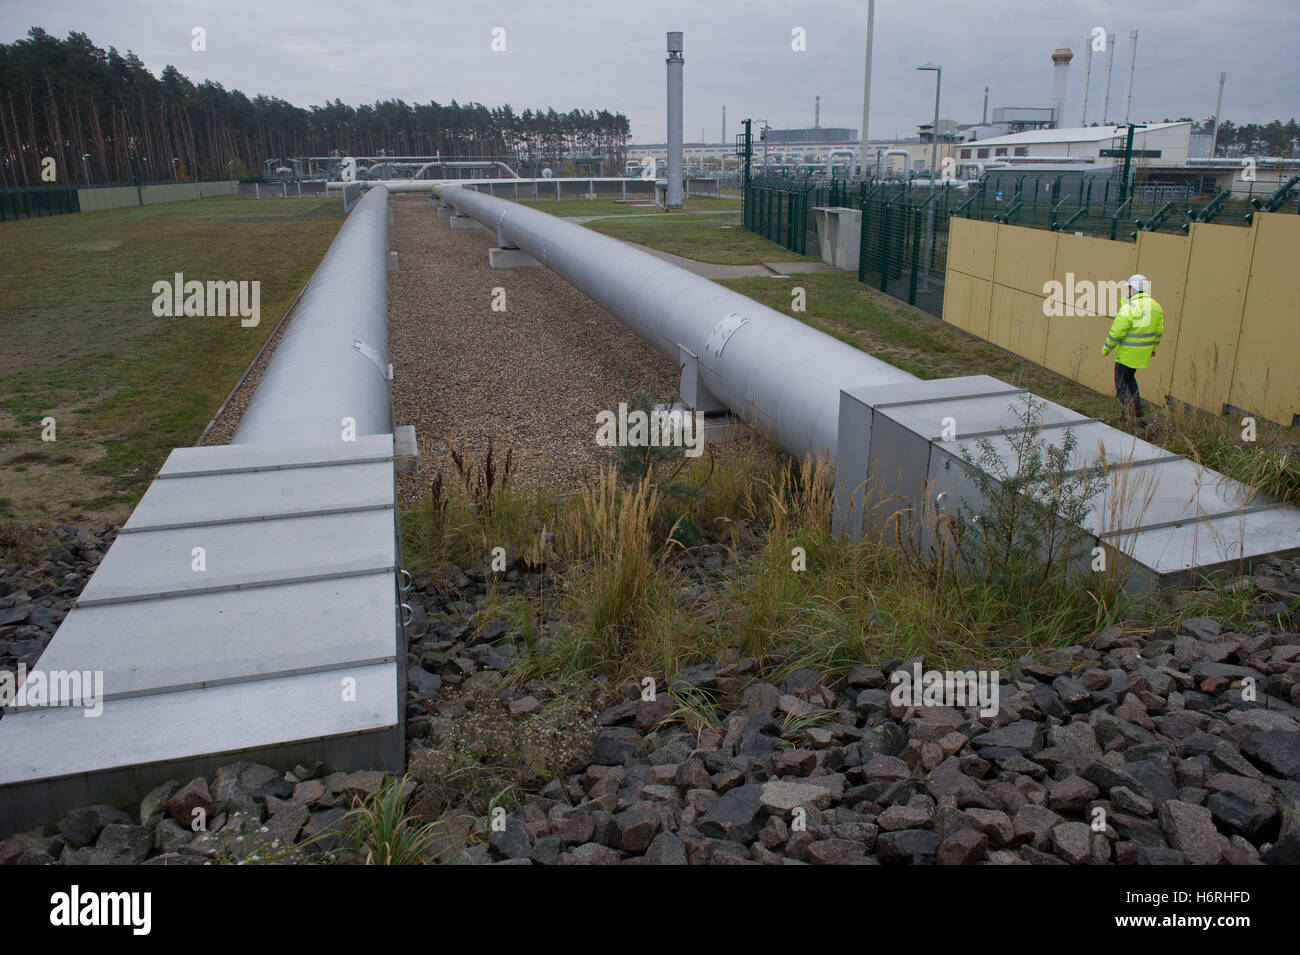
531 378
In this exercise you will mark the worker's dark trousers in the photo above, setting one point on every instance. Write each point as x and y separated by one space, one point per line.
1126 387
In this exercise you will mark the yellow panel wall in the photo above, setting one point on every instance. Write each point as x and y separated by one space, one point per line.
966 303
1218 266
1073 349
1016 322
1229 297
1266 379
1024 258
1086 259
971 245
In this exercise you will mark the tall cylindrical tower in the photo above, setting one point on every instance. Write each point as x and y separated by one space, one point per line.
675 65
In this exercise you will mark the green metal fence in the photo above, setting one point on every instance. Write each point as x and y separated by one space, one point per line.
904 248
37 201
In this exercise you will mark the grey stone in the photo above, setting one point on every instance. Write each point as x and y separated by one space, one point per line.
1241 816
81 827
735 816
907 845
782 796
1276 751
636 829
511 842
591 853
1023 735
666 849
615 746
1071 794
154 802
1072 842
1202 628
963 847
1190 830
1126 800
193 795
421 682
836 852
995 824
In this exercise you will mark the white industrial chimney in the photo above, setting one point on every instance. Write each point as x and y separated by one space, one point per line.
817 112
1087 78
1060 80
676 63
1132 62
1110 61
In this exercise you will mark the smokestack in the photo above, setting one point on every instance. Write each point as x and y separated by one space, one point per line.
817 112
1110 60
1087 77
866 84
985 120
1214 138
723 140
676 64
1132 62
1060 80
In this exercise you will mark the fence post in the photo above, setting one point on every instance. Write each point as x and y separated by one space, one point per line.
916 255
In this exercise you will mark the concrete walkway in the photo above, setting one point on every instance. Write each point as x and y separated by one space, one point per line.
713 270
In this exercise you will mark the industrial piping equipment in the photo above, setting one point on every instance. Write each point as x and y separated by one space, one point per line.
330 372
813 394
771 370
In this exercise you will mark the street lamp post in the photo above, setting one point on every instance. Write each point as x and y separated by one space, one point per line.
928 243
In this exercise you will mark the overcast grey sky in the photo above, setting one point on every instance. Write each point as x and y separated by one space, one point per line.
738 54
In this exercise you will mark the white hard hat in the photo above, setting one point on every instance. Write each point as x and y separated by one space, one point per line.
1138 283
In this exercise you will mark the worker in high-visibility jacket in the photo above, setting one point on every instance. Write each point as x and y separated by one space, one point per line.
1134 337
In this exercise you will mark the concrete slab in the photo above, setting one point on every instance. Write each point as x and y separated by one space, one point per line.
464 222
55 759
280 640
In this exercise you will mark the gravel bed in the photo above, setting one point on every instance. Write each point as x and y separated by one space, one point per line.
531 378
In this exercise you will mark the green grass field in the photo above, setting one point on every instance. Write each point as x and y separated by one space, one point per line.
640 207
81 343
708 238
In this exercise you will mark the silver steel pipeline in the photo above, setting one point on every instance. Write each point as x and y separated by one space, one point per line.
772 370
332 363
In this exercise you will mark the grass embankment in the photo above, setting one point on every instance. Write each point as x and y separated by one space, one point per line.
82 345
733 555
